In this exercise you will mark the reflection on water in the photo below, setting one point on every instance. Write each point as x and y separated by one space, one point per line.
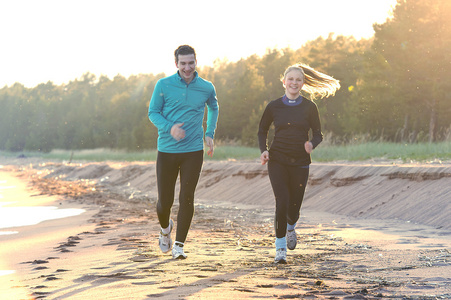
6 272
24 216
16 216
8 232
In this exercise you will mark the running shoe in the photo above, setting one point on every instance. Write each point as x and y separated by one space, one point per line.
281 256
292 239
165 240
177 252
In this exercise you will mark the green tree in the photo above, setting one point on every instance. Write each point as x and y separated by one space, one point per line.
44 101
15 117
415 45
340 57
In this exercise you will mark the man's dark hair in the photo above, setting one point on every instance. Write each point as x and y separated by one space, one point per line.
184 50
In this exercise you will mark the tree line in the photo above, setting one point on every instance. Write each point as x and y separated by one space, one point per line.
394 86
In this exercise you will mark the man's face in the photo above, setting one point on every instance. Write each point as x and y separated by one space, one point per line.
186 65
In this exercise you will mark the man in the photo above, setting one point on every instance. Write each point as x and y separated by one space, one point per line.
177 109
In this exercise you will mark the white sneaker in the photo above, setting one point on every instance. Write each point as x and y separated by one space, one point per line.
292 239
281 256
177 252
165 240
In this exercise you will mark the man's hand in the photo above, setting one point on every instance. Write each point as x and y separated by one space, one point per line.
210 144
264 157
177 132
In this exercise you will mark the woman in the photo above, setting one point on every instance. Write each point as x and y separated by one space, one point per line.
289 156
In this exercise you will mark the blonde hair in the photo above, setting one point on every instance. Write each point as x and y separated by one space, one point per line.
316 84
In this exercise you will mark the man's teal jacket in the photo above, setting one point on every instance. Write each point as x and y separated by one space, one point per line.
174 101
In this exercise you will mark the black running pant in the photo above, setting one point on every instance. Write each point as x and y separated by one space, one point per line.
288 184
169 166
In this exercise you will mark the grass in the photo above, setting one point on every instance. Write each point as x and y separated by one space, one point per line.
352 152
382 150
221 153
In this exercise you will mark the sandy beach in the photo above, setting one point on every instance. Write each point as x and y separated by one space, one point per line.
368 230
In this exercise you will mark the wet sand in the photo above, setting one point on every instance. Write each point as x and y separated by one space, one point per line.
112 250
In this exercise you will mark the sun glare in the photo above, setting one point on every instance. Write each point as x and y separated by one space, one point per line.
127 41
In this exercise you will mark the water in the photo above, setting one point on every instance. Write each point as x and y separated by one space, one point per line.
11 216
19 208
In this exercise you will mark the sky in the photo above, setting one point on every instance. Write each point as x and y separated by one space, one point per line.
60 40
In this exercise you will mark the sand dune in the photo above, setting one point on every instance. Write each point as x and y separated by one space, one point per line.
417 193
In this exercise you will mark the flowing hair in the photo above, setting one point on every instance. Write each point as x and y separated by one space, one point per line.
316 84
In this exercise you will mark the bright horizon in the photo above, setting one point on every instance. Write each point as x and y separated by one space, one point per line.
59 41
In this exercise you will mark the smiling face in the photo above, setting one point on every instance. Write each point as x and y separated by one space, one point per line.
293 82
186 64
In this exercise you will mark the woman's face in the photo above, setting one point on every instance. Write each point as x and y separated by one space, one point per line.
293 82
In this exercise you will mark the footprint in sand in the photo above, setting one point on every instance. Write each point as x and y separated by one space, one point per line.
72 241
100 268
52 278
64 250
145 283
40 295
140 258
49 277
40 287
37 262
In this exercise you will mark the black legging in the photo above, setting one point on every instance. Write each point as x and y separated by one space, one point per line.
288 184
168 167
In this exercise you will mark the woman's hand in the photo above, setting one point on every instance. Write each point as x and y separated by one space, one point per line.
210 145
264 157
308 147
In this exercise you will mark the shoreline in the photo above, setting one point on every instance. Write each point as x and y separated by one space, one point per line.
27 241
